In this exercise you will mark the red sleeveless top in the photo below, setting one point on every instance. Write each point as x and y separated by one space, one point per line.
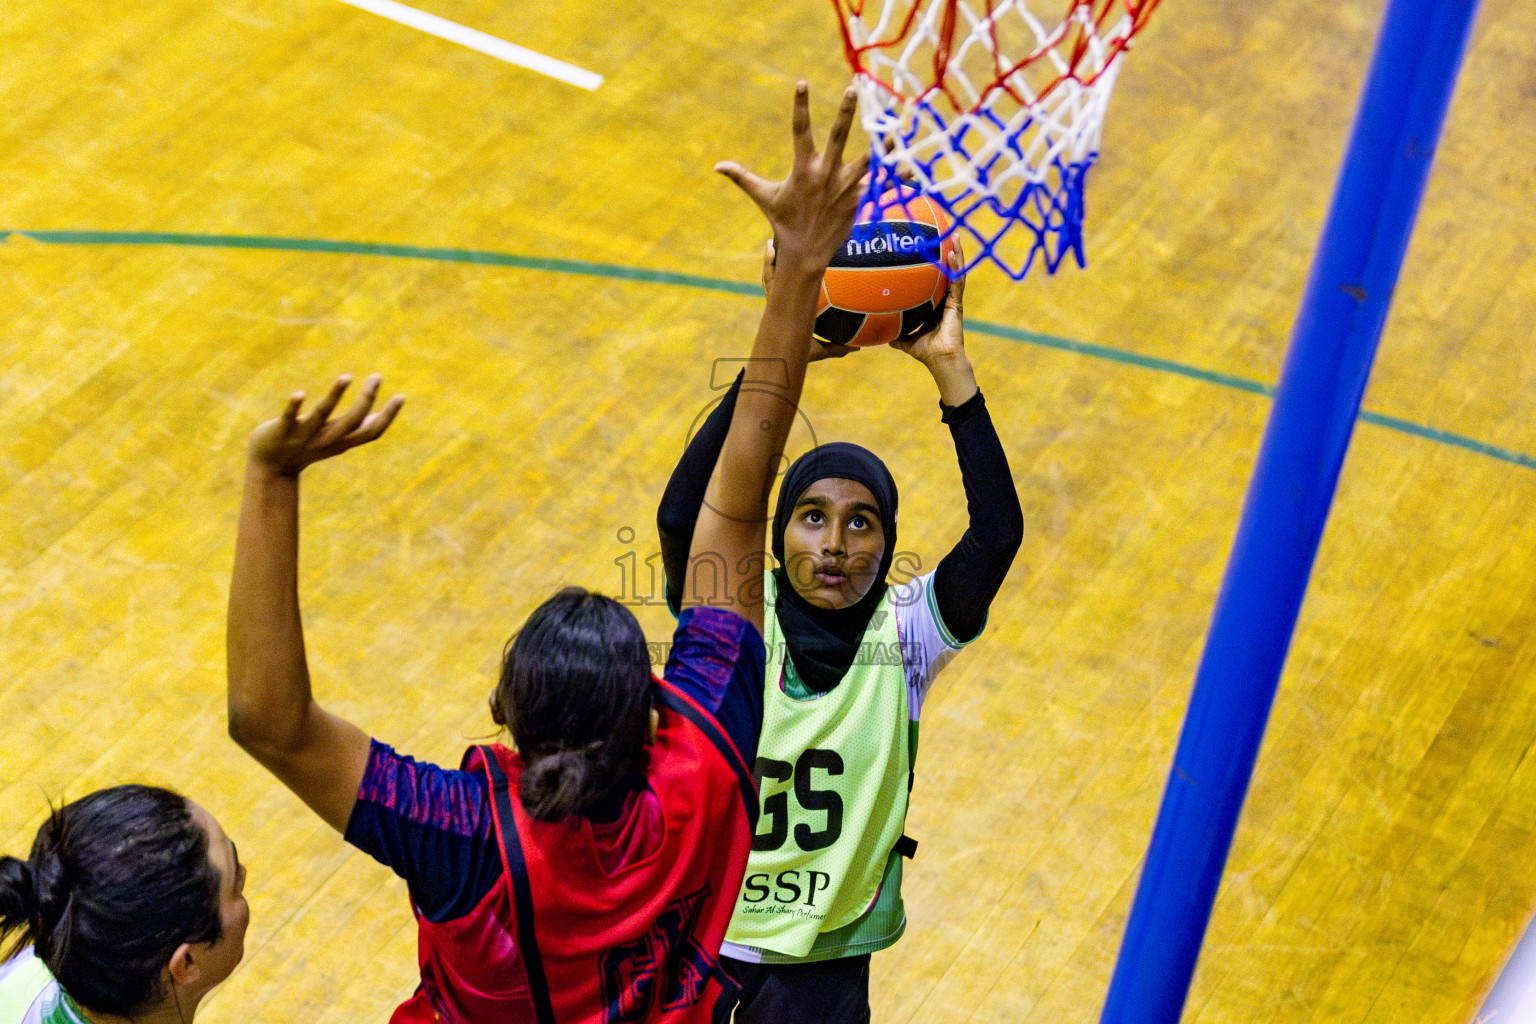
607 923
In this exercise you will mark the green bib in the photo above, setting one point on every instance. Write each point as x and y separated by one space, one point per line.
26 987
832 773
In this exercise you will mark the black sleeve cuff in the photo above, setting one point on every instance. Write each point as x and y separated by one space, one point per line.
964 411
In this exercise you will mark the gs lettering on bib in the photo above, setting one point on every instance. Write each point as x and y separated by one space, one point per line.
832 776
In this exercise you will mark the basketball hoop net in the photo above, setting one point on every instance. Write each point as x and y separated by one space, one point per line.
991 109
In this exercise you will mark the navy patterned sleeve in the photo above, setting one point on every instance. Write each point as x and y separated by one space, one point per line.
432 827
718 660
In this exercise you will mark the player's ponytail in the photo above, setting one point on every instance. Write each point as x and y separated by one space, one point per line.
559 784
576 692
18 903
115 883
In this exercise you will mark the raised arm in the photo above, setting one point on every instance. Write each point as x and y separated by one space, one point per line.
811 213
272 713
970 575
684 495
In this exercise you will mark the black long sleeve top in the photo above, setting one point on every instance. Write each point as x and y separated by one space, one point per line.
967 578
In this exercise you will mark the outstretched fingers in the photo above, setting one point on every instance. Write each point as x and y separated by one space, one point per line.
853 181
353 418
811 210
290 413
805 143
758 189
956 278
837 141
295 439
375 425
359 424
316 420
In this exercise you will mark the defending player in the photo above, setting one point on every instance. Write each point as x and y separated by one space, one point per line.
131 906
589 874
850 659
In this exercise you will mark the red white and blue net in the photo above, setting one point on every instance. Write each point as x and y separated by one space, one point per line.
992 108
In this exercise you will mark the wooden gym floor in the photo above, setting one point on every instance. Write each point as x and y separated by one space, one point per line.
1383 868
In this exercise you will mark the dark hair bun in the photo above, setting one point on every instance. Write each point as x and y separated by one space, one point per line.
18 897
576 691
558 785
115 882
49 873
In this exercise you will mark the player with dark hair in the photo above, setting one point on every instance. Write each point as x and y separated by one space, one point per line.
131 905
583 746
589 874
850 660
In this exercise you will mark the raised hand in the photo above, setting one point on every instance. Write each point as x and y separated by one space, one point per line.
811 214
295 440
947 338
272 710
811 211
942 350
818 349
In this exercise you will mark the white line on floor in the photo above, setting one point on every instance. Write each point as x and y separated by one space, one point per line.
498 48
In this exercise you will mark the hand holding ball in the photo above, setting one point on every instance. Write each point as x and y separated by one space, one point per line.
883 285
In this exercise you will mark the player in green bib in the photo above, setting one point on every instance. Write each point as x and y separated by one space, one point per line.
131 906
850 658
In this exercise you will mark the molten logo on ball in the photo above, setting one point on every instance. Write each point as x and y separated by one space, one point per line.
893 240
885 283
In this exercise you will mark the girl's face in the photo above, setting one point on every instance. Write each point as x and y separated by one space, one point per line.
833 543
218 958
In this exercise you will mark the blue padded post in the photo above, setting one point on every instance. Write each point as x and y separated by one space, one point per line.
1407 91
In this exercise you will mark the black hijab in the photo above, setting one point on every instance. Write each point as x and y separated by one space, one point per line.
823 642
